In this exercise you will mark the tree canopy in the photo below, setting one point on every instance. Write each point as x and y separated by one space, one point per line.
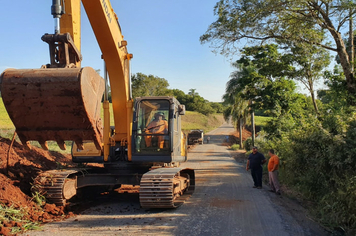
150 85
311 22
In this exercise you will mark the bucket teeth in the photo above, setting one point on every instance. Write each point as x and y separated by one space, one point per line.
24 141
27 145
60 143
42 142
62 146
79 144
44 145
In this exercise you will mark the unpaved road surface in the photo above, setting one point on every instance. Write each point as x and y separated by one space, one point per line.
224 203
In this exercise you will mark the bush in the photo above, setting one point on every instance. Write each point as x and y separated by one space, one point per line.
235 147
248 144
317 160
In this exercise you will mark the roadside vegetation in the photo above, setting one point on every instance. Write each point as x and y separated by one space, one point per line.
289 43
19 216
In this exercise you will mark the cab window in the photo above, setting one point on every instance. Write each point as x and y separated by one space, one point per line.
152 134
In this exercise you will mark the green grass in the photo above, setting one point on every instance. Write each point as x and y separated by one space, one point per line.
5 122
111 115
19 215
261 120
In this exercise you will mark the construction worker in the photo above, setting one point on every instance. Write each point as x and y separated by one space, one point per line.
273 165
158 126
254 163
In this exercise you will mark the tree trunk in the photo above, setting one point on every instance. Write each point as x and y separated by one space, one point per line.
345 63
253 127
240 133
314 102
351 40
311 90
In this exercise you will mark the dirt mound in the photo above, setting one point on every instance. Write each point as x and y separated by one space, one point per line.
245 135
17 171
235 136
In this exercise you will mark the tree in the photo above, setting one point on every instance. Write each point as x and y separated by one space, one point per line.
217 106
192 92
143 85
237 110
260 83
335 97
179 95
149 85
240 91
193 101
311 22
265 78
310 62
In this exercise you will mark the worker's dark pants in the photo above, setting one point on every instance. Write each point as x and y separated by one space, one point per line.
257 176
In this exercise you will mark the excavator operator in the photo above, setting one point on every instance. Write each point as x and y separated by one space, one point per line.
158 126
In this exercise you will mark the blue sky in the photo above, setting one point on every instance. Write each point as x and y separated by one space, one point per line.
162 35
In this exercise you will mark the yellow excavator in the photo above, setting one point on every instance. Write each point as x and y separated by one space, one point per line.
62 101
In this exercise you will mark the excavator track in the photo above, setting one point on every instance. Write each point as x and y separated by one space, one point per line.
56 186
166 187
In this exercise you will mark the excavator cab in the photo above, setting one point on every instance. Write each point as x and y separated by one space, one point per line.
156 135
152 135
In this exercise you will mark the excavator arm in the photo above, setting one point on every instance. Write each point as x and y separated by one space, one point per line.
113 47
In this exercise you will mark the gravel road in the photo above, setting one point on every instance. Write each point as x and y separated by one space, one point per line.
224 203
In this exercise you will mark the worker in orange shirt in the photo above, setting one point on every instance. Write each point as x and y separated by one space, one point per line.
272 167
158 126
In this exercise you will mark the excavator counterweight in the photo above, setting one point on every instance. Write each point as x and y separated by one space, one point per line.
54 104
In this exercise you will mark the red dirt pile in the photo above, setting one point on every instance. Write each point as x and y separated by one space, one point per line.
16 179
234 137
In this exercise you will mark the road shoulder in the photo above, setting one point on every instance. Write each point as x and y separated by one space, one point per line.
287 203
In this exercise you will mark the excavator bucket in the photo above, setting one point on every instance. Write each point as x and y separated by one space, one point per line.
54 104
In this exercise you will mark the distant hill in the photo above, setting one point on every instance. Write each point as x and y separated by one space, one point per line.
194 120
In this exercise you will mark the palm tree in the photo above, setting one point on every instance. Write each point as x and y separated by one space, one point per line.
192 92
237 112
238 107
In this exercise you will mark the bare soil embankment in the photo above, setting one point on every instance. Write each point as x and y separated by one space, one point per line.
18 168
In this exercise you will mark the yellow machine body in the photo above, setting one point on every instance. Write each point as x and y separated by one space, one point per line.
62 102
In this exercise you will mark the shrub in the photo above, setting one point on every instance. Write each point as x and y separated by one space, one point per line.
235 147
317 160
